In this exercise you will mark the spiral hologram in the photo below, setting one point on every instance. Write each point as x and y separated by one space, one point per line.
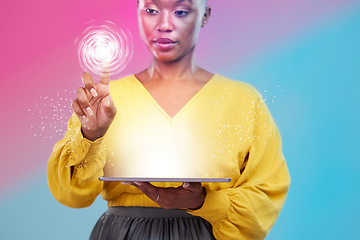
104 44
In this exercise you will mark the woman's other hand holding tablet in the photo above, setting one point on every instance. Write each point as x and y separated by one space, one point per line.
188 195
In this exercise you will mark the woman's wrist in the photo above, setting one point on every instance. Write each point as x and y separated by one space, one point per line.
201 200
93 135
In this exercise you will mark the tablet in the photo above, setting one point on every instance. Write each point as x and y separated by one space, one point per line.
154 179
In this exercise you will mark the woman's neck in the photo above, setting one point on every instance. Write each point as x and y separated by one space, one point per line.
184 69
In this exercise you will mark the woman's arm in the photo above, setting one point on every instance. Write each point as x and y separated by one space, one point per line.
79 158
251 207
74 167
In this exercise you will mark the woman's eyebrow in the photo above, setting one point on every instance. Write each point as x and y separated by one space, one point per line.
179 1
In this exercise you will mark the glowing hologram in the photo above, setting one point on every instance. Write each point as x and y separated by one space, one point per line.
104 43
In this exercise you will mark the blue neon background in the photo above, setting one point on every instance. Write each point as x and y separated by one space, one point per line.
317 111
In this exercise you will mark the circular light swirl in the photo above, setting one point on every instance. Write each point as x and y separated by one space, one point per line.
103 44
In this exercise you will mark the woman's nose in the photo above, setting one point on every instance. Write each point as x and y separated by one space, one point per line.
165 23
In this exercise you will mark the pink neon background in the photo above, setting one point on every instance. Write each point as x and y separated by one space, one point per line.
37 57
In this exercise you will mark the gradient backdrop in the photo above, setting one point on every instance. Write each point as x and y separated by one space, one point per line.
304 56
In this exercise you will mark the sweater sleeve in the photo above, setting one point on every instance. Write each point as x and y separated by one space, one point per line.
74 167
250 208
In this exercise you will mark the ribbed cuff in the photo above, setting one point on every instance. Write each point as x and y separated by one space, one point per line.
215 207
81 146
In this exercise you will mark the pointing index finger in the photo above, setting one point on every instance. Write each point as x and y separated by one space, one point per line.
105 74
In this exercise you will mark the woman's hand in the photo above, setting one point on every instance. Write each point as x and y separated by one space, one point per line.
94 106
189 195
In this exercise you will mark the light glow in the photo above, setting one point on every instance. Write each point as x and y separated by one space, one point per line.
104 43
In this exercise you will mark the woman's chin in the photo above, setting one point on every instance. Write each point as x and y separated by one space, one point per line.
172 55
166 58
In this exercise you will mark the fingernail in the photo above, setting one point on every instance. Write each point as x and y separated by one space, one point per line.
137 183
186 184
126 183
93 92
89 111
108 104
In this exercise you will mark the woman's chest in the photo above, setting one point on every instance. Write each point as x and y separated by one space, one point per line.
171 98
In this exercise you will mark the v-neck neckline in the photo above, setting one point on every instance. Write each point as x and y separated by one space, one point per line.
158 106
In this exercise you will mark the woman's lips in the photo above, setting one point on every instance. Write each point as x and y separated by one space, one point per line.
164 43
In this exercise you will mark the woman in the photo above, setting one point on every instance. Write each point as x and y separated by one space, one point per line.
236 133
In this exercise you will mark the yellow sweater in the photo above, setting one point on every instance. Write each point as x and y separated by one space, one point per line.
226 127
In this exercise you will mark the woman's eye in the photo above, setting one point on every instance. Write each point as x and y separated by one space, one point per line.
181 13
151 11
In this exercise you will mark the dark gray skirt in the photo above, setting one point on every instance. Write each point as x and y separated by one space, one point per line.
145 223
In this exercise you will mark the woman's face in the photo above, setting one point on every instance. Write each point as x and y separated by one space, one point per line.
170 28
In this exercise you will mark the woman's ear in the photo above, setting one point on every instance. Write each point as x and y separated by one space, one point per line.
206 16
